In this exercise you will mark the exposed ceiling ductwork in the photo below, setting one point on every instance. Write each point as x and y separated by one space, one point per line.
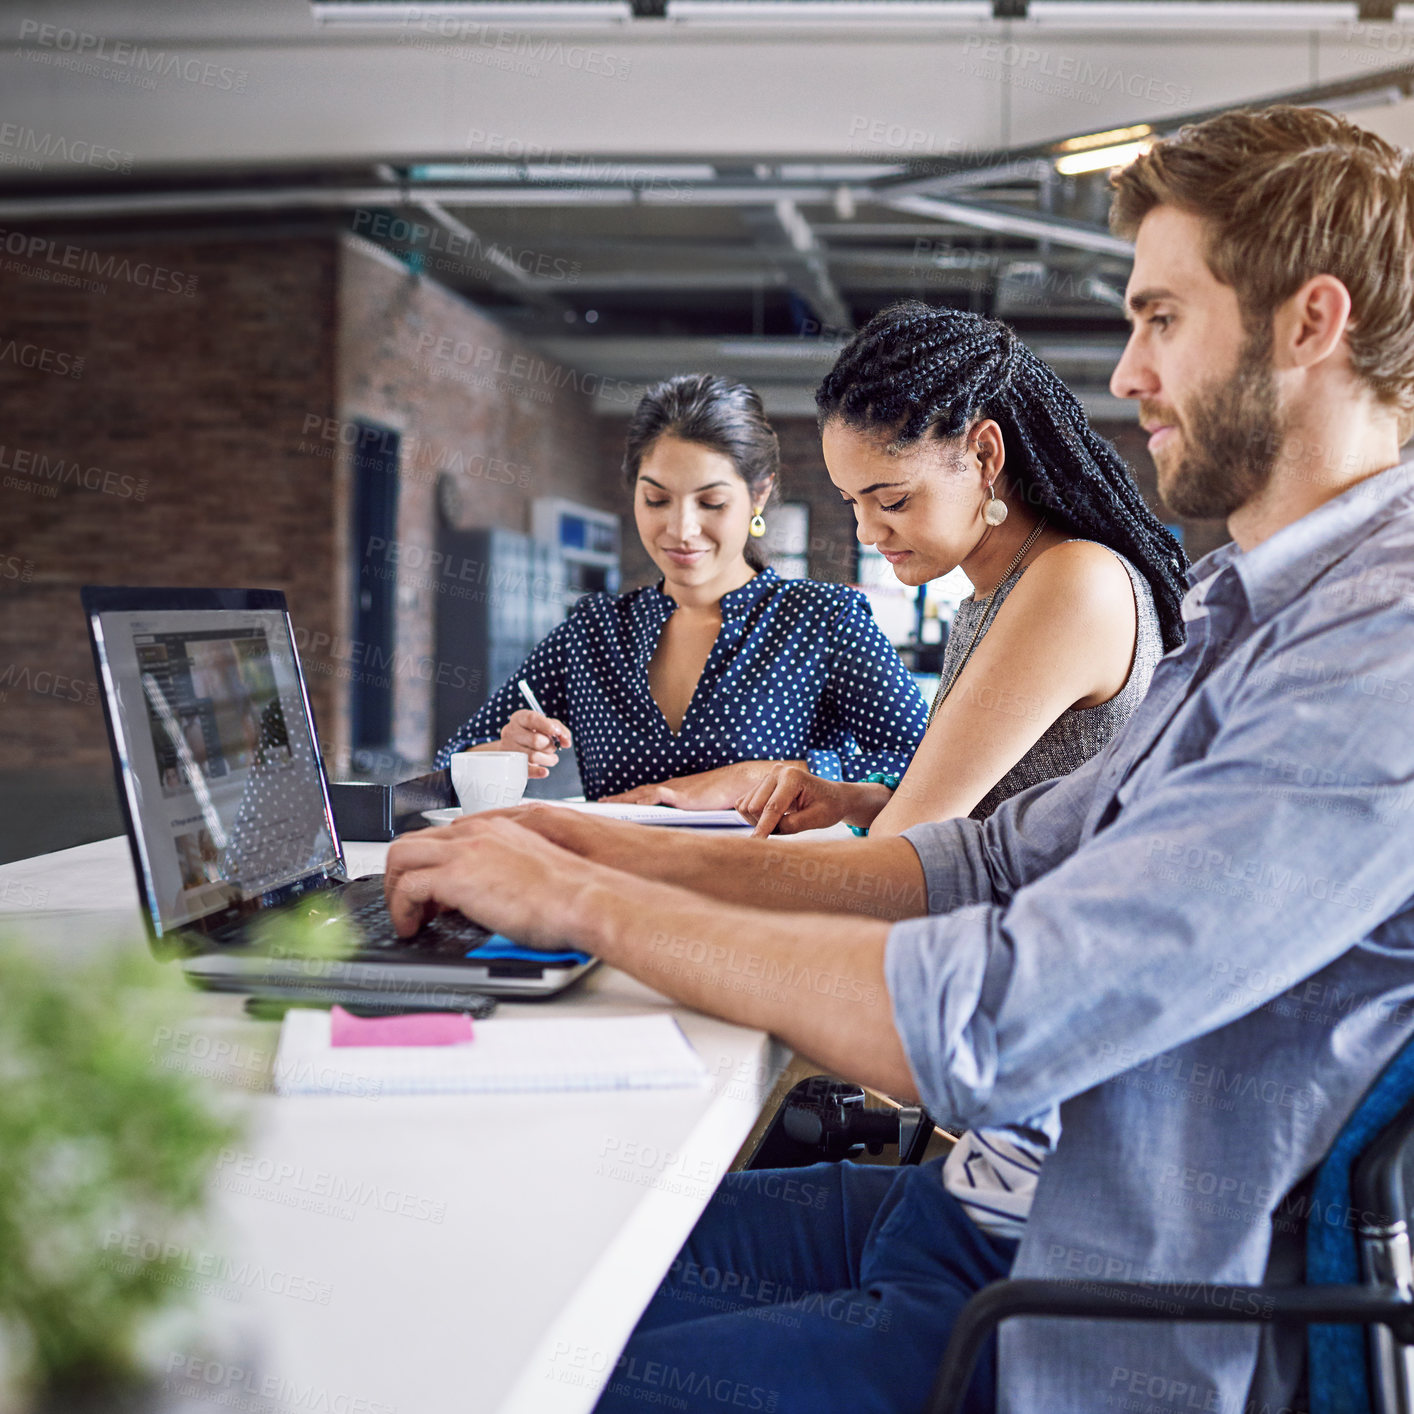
633 264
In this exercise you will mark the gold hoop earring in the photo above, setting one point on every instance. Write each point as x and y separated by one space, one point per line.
757 526
994 509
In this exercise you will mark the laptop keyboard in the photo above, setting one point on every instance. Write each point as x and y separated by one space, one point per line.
446 936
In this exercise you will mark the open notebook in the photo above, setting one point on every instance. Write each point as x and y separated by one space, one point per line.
657 814
506 1055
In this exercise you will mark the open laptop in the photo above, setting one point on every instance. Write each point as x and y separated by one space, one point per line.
227 809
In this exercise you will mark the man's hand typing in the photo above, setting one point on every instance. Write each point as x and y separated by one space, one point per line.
495 871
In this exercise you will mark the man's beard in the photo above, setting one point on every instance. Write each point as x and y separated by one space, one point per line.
1231 439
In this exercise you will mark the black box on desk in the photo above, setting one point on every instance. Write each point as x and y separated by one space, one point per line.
364 811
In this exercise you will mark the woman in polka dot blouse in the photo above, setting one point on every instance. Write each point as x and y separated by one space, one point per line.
690 691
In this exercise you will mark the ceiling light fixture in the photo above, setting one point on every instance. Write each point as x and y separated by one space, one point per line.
1261 15
570 168
964 13
1106 139
1099 159
1370 98
438 20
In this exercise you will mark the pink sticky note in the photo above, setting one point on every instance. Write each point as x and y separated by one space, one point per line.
419 1028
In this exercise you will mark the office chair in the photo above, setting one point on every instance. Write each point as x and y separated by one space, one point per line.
1369 1169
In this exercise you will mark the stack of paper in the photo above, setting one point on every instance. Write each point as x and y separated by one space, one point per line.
657 814
554 1053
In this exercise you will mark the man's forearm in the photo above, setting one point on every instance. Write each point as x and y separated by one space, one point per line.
881 878
816 981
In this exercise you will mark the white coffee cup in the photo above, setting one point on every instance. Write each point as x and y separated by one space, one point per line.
488 780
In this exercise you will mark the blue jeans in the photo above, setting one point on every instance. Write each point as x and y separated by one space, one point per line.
802 1291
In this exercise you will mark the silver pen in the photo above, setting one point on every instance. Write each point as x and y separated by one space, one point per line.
529 696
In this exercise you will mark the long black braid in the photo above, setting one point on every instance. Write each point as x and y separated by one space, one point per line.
915 371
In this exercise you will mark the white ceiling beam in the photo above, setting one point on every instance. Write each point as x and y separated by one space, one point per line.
302 95
798 400
475 251
1013 223
790 241
782 358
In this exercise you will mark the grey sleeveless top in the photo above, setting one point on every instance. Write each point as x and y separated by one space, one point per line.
1078 733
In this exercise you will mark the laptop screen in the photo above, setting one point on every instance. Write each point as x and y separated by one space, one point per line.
217 755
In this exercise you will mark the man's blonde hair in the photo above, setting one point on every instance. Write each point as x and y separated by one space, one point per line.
1290 193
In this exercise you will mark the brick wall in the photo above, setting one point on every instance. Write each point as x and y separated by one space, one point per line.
634 564
165 437
804 478
166 456
176 418
471 402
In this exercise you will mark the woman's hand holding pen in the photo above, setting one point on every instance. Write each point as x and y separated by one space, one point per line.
539 736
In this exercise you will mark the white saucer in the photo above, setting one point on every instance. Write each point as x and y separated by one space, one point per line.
443 817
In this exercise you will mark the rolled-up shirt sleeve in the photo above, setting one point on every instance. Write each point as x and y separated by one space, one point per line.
967 861
1045 981
943 975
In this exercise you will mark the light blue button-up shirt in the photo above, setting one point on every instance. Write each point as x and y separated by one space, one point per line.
1200 944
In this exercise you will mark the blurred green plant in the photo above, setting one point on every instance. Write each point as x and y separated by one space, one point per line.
315 931
97 1138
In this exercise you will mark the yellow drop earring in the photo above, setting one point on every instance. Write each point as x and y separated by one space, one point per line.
758 525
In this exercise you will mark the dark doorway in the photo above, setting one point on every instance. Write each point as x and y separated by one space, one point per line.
375 529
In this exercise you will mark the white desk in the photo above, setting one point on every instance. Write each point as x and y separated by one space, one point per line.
559 1213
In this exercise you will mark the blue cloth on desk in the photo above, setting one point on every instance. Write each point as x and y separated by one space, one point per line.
498 947
799 672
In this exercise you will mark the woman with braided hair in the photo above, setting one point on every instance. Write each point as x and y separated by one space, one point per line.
956 445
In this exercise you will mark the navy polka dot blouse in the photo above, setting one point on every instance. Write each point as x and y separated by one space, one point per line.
800 671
